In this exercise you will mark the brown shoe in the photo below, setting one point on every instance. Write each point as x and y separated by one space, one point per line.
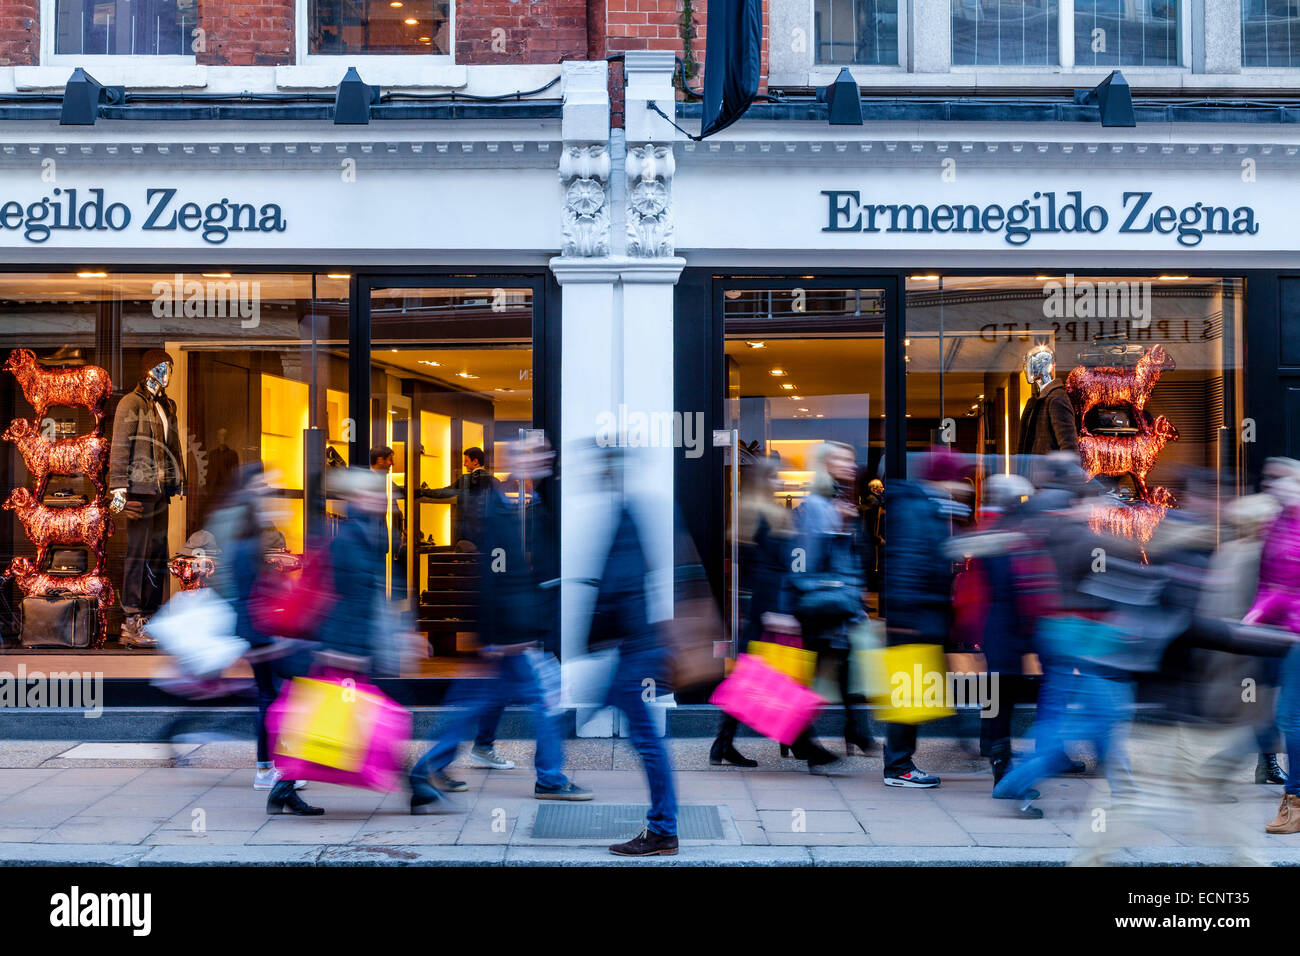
1288 815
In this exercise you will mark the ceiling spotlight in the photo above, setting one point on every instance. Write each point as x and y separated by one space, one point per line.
410 21
465 375
216 275
777 372
757 345
924 278
338 275
787 385
92 275
430 362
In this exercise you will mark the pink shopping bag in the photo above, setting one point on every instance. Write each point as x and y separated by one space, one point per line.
759 695
372 755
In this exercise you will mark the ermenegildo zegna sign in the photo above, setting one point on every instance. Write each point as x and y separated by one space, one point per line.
1044 213
159 209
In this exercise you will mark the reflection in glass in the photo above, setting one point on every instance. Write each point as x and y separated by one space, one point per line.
1005 33
125 27
1270 33
1120 33
856 31
339 27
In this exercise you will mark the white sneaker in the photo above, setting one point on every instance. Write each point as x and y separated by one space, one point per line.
488 757
267 779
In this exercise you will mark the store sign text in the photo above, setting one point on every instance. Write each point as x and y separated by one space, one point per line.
1043 214
163 212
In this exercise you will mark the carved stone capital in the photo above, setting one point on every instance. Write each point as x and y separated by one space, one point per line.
649 200
584 172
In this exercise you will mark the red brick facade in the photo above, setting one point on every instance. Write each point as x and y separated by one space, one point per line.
499 31
261 32
20 32
246 32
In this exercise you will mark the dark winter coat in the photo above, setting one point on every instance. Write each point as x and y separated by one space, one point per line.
918 587
1048 422
142 459
357 561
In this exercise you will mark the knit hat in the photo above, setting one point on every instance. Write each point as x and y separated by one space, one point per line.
155 357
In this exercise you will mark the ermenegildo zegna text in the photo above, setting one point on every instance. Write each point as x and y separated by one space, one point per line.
162 212
1043 214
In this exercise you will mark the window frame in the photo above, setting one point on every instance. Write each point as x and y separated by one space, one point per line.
905 9
49 28
302 57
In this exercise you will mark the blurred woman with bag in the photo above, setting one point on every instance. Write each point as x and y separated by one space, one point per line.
826 590
765 543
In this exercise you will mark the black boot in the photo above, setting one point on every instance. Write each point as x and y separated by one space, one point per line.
725 752
853 738
1268 770
1001 767
284 799
425 797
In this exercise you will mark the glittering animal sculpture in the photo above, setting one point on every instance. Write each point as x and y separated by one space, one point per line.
86 455
1108 387
1133 455
45 388
88 524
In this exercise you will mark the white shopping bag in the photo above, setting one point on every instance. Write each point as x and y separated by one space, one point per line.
197 628
587 678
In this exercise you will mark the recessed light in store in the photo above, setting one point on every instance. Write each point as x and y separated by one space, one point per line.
216 275
804 409
907 341
821 416
430 362
796 398
394 350
338 275
92 275
1173 278
465 375
426 39
1043 278
925 278
787 385
396 4
777 372
499 389
410 21
757 345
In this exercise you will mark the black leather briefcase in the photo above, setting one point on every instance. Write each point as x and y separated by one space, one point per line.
68 562
58 619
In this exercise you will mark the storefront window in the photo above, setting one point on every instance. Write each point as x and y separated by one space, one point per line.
256 372
1120 33
804 367
451 379
856 31
1005 33
339 27
125 27
1151 367
1270 33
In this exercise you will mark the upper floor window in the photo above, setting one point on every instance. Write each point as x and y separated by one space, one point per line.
1270 33
856 31
124 27
378 27
1005 33
1125 33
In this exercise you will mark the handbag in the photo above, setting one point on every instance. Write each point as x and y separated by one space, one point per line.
587 678
795 662
197 628
760 696
283 606
58 619
339 730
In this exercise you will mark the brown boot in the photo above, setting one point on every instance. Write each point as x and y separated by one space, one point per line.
1288 815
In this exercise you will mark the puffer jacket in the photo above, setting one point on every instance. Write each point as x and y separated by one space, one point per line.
1278 599
143 460
918 587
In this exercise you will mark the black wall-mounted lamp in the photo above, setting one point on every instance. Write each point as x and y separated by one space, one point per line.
353 100
843 99
83 96
1113 98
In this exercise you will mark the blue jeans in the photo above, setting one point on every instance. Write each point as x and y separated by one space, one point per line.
473 700
625 692
1288 717
1084 706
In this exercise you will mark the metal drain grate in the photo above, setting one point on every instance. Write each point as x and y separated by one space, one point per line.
619 821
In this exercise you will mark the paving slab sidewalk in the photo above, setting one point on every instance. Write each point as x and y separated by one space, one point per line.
55 810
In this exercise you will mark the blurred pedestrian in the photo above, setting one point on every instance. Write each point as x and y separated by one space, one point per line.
509 627
826 592
918 588
621 620
764 547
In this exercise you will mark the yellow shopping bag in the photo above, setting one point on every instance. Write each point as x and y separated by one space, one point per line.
911 683
327 723
794 662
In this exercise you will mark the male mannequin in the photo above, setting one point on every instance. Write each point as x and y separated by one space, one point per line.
1047 423
146 467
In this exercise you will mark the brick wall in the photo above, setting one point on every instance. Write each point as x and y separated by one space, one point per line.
246 32
502 31
20 32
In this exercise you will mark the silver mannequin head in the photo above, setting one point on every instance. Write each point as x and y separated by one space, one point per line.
158 377
1040 365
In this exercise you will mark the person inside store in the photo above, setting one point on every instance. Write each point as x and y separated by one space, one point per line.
381 461
470 491
146 470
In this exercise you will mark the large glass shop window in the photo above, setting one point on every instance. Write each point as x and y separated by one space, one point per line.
451 379
193 378
1147 367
